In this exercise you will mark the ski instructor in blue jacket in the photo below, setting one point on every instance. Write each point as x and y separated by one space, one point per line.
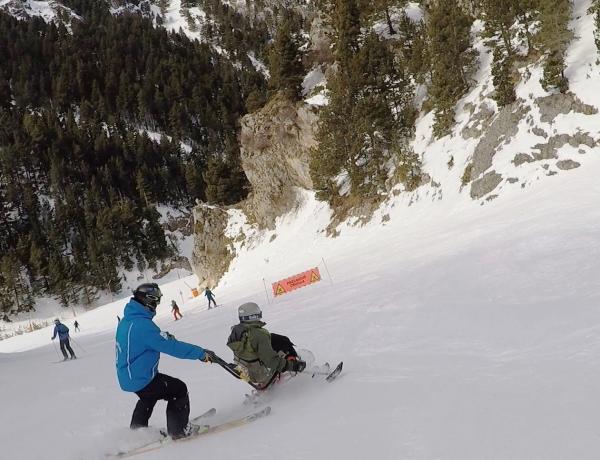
139 345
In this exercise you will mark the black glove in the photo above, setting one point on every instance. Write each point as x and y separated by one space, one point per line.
167 335
209 356
296 366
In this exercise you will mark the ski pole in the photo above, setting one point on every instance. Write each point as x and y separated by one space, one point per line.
77 343
56 349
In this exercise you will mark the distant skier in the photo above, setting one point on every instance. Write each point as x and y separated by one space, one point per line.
76 326
63 339
261 356
210 296
175 310
139 343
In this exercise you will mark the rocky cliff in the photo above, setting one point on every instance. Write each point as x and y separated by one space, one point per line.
275 145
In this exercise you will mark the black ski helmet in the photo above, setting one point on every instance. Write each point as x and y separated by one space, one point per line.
249 311
148 294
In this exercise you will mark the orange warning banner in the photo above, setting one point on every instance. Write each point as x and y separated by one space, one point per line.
296 281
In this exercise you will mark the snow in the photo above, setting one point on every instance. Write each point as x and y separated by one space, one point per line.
313 79
582 60
47 10
414 11
318 99
259 65
173 19
468 332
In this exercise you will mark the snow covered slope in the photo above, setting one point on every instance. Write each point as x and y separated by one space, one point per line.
460 340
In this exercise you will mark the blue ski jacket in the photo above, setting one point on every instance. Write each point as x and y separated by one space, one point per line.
139 343
62 331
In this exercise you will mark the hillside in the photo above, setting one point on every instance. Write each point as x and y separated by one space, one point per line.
467 322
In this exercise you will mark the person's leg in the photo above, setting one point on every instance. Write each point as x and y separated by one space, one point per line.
145 405
62 348
178 405
283 344
141 413
68 346
172 390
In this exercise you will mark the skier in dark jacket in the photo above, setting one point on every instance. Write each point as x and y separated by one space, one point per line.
63 338
210 297
139 345
261 356
76 326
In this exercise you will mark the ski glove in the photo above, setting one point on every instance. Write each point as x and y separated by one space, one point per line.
296 366
209 356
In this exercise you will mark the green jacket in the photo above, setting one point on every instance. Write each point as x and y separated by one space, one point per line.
251 346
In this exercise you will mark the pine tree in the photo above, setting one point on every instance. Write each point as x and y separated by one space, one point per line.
369 112
285 63
502 78
448 32
500 15
554 35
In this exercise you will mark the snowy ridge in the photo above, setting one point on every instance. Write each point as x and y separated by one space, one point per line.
49 10
174 19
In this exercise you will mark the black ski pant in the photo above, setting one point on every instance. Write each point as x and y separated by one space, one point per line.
172 390
210 299
283 344
64 346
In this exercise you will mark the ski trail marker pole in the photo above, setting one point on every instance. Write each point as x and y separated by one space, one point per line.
327 270
266 291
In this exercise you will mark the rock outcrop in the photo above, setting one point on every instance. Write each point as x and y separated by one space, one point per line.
212 252
275 145
555 104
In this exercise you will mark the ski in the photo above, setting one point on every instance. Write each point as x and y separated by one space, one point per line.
206 429
325 369
65 360
209 413
337 371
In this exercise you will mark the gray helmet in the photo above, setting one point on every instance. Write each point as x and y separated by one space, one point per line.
57 321
249 311
148 294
